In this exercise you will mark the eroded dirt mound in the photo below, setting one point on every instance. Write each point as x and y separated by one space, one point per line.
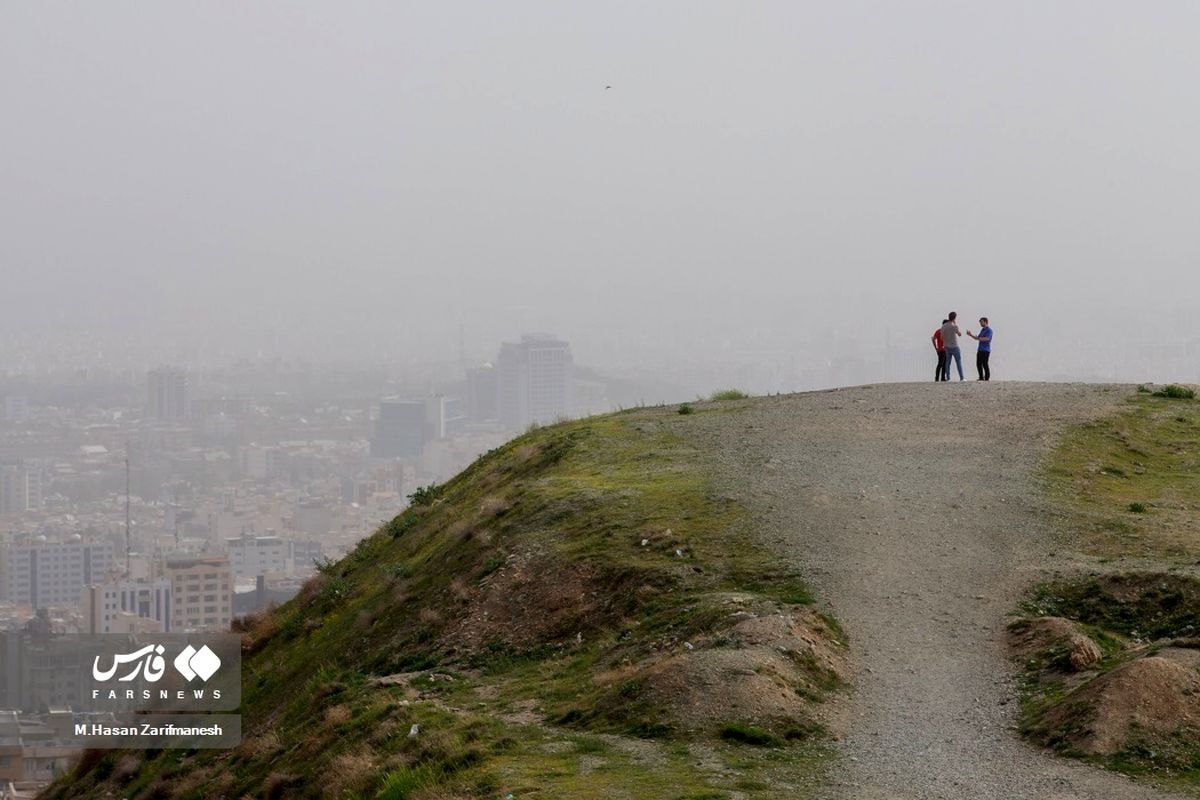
1147 705
536 599
1031 636
767 664
1115 676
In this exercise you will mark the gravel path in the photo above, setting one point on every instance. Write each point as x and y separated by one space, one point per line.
913 512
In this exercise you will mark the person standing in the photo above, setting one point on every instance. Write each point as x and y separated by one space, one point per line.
939 347
950 334
984 353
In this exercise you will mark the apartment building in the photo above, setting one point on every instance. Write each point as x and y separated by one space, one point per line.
201 592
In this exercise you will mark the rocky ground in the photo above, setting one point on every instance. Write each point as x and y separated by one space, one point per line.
913 511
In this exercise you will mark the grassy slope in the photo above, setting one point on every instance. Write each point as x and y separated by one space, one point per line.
513 611
1129 488
1149 455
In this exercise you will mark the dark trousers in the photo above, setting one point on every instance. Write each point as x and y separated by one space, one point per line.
942 373
981 364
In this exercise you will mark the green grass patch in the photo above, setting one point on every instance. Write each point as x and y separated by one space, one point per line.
1107 474
1176 392
1150 606
748 734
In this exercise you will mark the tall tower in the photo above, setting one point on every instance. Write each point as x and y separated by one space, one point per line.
536 381
168 395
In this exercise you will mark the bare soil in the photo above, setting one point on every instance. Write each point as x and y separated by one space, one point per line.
1149 699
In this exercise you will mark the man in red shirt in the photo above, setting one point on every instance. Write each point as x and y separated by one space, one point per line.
943 368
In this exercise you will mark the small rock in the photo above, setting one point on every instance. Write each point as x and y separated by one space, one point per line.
1084 652
414 730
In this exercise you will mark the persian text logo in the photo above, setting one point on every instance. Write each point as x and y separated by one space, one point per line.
190 663
148 661
193 663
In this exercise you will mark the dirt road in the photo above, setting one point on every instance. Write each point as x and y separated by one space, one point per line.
913 511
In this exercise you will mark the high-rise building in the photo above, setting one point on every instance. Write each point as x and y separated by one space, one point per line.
42 573
20 488
536 381
400 429
201 592
106 604
444 416
168 395
260 462
483 395
16 408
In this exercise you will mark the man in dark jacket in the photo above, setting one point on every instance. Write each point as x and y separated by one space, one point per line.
941 373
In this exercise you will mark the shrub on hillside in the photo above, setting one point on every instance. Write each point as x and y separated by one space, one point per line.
1176 392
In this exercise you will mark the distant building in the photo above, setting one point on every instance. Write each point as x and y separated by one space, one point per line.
201 591
260 463
108 606
264 594
43 573
305 553
168 395
251 556
16 408
535 381
483 395
20 488
400 429
34 751
35 674
444 416
312 517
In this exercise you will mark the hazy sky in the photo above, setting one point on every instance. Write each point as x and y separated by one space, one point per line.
367 177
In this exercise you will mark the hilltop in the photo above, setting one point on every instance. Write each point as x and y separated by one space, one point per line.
807 595
584 611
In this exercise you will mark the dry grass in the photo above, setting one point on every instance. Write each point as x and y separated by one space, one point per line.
191 782
619 674
338 715
259 746
350 773
460 588
459 531
493 505
277 784
127 767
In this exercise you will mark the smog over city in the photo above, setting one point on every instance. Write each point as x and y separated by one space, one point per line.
274 275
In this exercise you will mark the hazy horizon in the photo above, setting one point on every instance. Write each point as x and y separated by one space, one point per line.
364 181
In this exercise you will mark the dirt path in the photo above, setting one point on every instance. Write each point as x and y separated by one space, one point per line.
912 510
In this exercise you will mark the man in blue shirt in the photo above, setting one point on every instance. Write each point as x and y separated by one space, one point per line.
984 337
